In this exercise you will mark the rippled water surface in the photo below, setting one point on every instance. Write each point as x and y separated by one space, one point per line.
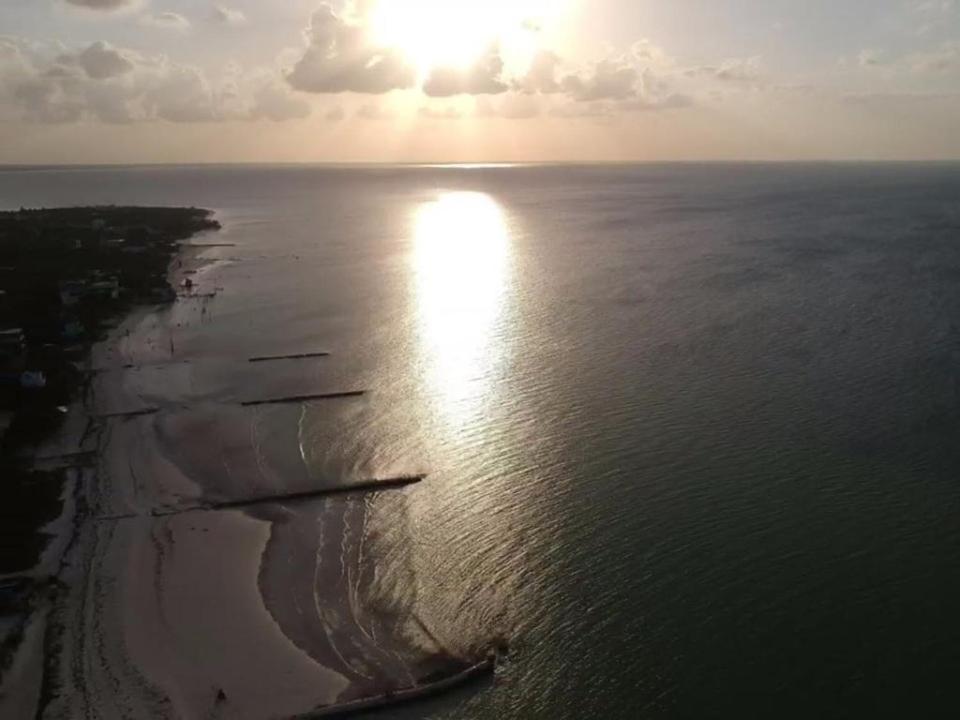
692 432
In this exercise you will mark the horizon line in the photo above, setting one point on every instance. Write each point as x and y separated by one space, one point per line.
466 165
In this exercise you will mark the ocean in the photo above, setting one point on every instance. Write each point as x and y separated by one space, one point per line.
691 436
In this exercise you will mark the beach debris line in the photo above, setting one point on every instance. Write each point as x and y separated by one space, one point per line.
304 398
295 356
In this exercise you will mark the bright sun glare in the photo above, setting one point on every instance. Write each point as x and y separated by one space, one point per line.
455 33
462 258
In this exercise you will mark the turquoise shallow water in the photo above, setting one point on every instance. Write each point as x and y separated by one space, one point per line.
691 431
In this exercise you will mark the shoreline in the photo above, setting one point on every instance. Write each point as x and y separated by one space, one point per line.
24 678
139 599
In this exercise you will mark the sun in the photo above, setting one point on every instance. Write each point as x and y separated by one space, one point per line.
455 33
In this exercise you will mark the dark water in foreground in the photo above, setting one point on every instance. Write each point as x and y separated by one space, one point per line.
693 433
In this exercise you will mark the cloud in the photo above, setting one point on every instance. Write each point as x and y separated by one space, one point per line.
483 77
938 60
99 61
609 79
542 75
644 78
737 70
622 77
273 100
650 56
669 101
228 15
101 4
341 57
45 84
22 91
166 20
179 94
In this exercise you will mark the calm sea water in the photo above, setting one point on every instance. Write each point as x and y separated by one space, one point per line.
693 432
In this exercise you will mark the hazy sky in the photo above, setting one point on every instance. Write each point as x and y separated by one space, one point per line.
458 80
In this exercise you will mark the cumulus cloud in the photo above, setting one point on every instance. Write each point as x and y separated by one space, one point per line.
542 75
228 15
101 4
341 57
166 20
272 100
483 77
47 84
39 85
641 79
179 93
630 76
938 59
609 79
742 70
99 61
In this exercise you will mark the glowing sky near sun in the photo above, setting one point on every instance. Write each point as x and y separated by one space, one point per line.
457 32
460 80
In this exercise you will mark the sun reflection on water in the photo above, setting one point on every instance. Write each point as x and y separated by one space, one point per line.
462 259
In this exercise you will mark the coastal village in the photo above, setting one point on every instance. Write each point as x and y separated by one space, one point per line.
66 276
